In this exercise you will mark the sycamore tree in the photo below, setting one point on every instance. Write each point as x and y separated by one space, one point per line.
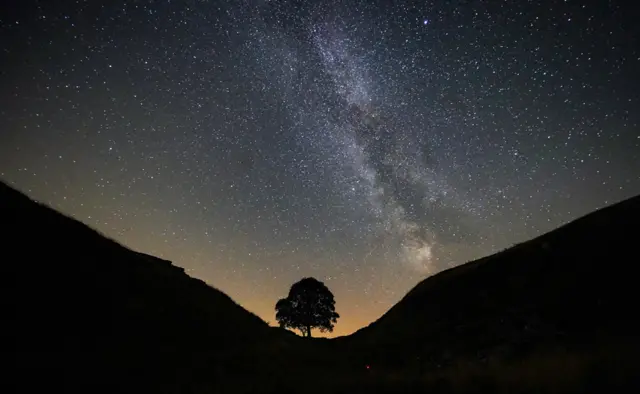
309 305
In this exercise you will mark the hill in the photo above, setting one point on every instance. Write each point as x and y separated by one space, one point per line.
572 290
84 313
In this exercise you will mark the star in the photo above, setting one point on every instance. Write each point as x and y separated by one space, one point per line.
349 140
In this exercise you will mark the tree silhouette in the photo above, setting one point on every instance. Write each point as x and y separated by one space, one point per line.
310 304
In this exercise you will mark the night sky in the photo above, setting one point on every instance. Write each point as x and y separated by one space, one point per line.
365 143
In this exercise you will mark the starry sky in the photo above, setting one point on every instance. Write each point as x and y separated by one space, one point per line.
366 143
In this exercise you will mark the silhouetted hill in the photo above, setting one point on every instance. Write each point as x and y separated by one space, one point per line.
575 287
84 313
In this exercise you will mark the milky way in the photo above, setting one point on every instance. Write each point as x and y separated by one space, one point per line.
332 83
366 143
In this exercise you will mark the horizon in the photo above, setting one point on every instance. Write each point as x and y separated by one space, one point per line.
317 334
366 144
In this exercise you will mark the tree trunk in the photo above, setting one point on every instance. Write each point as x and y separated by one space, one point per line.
309 331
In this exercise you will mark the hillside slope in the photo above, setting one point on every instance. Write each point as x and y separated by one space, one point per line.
574 286
84 313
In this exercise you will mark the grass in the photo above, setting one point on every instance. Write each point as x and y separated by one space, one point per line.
602 369
597 368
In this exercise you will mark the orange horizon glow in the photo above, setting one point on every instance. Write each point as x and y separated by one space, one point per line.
353 316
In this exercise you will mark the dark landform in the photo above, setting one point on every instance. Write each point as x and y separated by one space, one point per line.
86 314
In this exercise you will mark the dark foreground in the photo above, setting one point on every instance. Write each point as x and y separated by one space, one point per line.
553 315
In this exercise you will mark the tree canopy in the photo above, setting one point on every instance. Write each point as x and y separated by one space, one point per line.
309 305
